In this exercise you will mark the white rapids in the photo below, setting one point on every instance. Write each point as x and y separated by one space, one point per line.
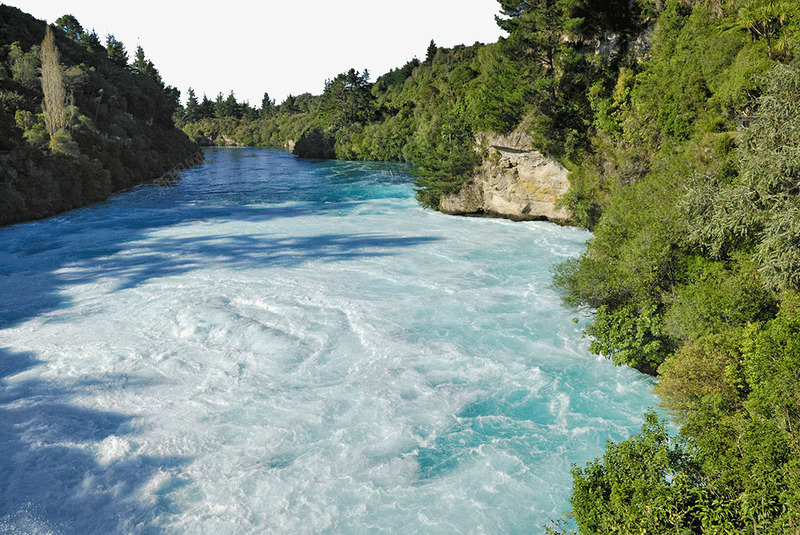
274 345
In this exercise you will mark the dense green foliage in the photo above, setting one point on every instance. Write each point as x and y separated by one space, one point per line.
422 111
680 123
736 468
103 127
691 187
430 112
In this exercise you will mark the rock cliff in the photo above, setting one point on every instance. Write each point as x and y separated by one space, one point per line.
515 181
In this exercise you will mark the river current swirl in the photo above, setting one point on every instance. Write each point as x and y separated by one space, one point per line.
272 345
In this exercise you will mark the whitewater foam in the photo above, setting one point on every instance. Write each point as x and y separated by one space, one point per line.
281 346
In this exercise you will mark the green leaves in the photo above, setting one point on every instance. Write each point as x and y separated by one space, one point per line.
631 335
761 209
694 269
770 20
348 99
447 157
778 252
116 50
644 484
143 65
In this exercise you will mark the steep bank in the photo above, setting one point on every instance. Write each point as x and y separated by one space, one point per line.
514 181
108 124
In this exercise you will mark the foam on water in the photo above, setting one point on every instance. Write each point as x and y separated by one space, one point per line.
283 346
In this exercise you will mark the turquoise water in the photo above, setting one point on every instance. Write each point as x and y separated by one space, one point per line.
273 345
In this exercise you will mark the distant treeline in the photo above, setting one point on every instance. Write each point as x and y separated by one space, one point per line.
679 121
78 120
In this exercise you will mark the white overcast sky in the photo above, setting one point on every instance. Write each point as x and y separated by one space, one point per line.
280 47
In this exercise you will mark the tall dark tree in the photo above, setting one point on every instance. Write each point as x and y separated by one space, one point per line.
546 45
144 65
289 105
448 158
431 52
92 41
536 29
246 111
173 95
116 50
71 27
207 108
267 105
192 110
227 106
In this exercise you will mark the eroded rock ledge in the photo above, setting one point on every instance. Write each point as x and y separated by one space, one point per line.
515 181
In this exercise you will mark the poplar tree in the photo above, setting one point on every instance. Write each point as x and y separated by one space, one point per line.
54 104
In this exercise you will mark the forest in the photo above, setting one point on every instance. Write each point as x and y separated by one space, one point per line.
79 120
679 121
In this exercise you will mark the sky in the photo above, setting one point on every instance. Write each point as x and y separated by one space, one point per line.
278 47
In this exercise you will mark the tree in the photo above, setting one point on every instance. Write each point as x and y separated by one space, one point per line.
227 107
431 52
770 19
347 99
116 50
267 106
247 112
72 28
173 98
92 41
646 484
498 97
448 157
207 108
25 66
192 111
145 66
54 105
762 208
545 50
537 29
289 105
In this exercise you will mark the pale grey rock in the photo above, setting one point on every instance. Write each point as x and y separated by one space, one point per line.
515 181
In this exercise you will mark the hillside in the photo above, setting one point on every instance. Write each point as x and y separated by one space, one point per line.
690 186
114 127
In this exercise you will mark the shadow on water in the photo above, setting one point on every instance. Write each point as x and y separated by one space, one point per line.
54 477
33 283
174 256
61 466
40 260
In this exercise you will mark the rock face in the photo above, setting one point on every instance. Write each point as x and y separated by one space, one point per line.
514 181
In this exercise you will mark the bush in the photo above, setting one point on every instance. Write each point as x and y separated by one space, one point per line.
645 484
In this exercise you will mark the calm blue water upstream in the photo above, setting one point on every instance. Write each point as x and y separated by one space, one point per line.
274 345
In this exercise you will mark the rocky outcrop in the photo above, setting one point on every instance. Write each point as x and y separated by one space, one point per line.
515 181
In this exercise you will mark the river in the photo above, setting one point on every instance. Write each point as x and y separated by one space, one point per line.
273 345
